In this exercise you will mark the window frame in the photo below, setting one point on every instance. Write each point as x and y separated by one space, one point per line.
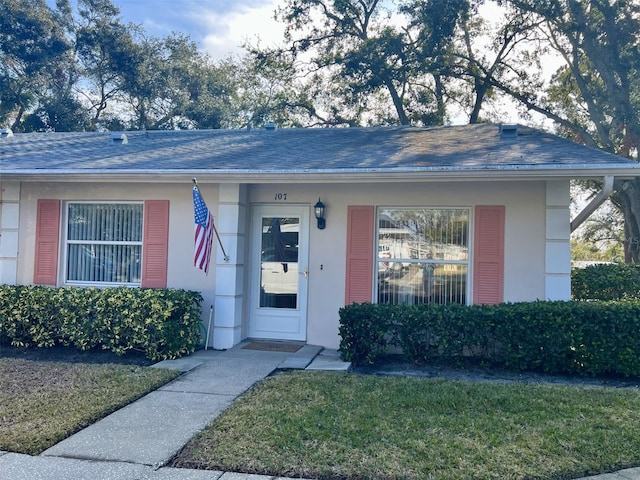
66 242
469 239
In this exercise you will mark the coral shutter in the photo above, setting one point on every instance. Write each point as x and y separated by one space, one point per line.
155 244
488 258
45 270
360 230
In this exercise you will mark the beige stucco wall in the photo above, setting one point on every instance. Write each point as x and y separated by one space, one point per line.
524 235
525 238
180 270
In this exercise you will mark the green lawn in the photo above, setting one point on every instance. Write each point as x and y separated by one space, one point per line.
42 403
348 426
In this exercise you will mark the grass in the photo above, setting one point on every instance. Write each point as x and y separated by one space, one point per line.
42 403
330 425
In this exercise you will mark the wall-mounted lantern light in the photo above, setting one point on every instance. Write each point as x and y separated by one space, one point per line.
319 211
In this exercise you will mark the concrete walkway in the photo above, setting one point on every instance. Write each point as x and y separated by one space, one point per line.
136 442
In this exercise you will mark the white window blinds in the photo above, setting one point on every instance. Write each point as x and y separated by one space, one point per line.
104 243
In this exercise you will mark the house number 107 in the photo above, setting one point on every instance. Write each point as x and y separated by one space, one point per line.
281 196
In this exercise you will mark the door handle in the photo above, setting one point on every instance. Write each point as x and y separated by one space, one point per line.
305 272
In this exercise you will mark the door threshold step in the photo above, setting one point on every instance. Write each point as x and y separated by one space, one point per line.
301 359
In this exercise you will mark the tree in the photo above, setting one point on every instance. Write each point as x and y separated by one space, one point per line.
170 84
273 88
493 59
32 45
199 93
85 69
362 64
595 95
107 51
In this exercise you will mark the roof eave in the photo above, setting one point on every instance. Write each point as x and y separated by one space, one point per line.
511 172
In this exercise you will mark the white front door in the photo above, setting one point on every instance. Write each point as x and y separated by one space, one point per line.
279 271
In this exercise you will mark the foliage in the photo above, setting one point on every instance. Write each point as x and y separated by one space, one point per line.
586 338
360 66
594 96
161 323
615 281
583 250
85 69
349 426
32 50
364 331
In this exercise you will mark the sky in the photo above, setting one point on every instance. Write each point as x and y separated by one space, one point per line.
219 27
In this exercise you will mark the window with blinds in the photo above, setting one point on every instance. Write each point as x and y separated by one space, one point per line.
104 243
423 255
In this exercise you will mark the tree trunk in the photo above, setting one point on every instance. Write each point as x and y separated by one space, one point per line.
440 106
627 199
15 127
480 91
397 101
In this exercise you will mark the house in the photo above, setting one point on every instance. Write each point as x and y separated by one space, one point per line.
466 214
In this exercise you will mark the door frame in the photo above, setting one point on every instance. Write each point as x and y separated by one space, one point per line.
288 324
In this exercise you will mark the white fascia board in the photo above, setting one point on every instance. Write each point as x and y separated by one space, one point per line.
511 173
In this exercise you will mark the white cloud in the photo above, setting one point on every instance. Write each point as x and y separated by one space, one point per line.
219 27
226 32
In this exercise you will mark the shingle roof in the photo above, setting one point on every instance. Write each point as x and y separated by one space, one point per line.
290 151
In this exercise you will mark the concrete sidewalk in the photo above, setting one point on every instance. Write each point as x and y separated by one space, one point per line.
136 442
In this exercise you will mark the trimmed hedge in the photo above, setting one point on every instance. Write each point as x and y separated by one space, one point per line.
614 281
161 323
586 338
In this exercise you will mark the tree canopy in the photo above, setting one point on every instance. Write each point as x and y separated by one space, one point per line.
87 69
342 63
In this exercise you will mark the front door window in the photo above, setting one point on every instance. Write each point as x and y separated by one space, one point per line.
279 262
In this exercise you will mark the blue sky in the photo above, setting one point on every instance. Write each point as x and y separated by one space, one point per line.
219 27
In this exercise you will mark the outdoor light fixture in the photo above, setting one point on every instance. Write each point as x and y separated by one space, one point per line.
319 209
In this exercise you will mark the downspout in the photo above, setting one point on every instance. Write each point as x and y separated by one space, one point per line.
586 212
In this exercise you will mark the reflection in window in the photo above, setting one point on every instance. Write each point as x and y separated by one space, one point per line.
104 243
423 255
279 262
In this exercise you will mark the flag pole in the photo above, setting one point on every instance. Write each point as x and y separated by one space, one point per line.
225 256
206 343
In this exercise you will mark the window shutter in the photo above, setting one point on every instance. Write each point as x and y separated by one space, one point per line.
488 258
360 231
47 242
155 244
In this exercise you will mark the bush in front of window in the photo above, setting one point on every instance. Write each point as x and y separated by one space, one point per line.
585 338
365 331
162 323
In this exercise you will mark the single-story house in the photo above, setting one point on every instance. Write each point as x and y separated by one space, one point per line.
468 214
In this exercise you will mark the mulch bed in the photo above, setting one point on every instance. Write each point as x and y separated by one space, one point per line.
473 371
391 366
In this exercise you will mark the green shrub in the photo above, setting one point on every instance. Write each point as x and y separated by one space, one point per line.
363 330
161 323
587 338
613 281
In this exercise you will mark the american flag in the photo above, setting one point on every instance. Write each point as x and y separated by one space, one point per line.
203 232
